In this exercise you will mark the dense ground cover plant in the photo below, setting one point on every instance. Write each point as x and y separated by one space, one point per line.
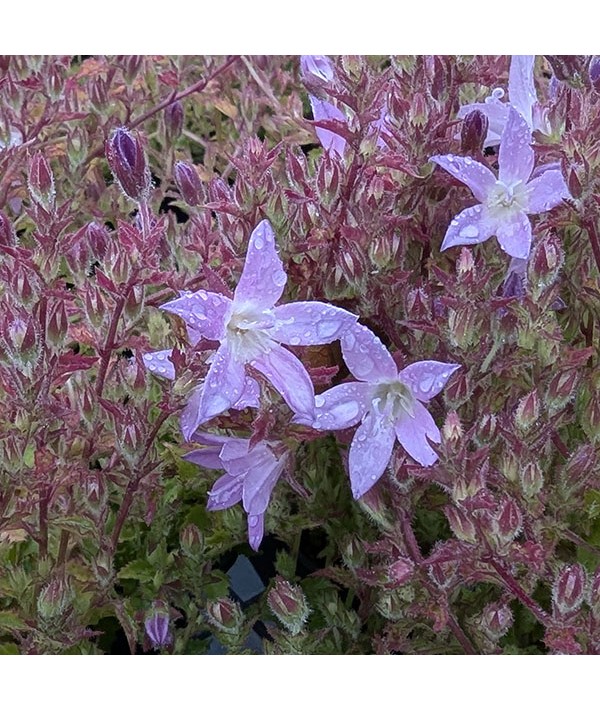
235 264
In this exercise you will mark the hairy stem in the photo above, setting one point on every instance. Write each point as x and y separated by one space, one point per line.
514 587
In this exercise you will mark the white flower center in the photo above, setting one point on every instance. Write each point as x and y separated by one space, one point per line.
505 200
247 331
393 398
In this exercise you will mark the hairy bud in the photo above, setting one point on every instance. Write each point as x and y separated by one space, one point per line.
188 182
156 625
226 615
288 603
41 182
173 120
594 72
569 588
473 132
127 161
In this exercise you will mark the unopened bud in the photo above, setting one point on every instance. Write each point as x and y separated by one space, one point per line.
131 66
594 72
127 161
173 120
191 540
460 523
401 571
578 469
496 620
463 327
156 625
486 429
452 430
288 603
474 131
41 182
546 259
188 183
226 615
528 411
98 237
465 264
561 389
569 588
54 599
532 479
594 598
509 520
590 419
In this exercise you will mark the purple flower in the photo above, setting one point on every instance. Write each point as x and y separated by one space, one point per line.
387 403
506 201
251 329
316 68
251 475
156 625
521 96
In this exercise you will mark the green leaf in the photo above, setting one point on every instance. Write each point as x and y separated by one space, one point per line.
10 621
9 648
137 570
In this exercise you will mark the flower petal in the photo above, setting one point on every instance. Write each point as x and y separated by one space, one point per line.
205 312
226 492
413 431
366 356
317 66
207 457
310 323
289 377
427 378
263 278
546 191
514 235
370 453
515 157
473 174
341 406
222 388
260 481
521 89
250 395
256 530
471 226
330 141
158 363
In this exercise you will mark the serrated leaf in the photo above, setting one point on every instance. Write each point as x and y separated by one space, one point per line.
10 621
137 570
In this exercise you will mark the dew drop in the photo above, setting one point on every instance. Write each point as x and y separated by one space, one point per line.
469 232
326 329
259 243
252 521
295 340
319 401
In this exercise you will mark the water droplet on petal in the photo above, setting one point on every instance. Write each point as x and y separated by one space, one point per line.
469 232
319 401
295 341
259 243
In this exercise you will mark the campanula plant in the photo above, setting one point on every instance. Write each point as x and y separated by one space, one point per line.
233 336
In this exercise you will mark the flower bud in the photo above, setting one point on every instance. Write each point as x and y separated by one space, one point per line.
532 479
509 520
401 571
288 603
474 131
594 597
527 412
156 625
452 430
128 163
131 65
578 469
569 588
594 72
188 183
463 327
41 182
191 540
544 264
496 619
98 237
462 526
226 615
561 389
465 264
173 120
54 599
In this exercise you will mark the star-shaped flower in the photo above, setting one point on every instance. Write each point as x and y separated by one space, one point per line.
521 96
386 403
251 329
506 201
251 475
